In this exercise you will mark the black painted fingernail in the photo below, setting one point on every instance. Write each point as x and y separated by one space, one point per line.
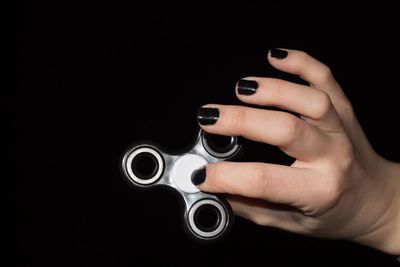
278 53
247 87
207 116
199 176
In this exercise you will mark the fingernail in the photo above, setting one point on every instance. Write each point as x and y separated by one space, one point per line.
247 87
207 116
199 176
278 53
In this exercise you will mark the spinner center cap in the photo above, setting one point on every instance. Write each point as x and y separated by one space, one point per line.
183 169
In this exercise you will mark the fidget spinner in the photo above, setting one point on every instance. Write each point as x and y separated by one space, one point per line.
205 216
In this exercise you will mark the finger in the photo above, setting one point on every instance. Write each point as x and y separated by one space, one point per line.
266 214
291 134
304 100
313 71
308 68
280 184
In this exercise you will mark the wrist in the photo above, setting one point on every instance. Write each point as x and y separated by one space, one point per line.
384 234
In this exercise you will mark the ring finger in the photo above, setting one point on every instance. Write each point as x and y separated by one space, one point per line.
311 103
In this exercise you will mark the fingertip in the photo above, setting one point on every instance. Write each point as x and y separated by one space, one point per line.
199 176
246 87
207 115
277 53
205 178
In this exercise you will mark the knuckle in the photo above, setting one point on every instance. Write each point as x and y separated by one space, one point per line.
331 193
260 180
322 105
346 158
333 187
293 130
324 74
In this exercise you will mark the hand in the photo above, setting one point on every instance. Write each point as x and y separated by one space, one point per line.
338 187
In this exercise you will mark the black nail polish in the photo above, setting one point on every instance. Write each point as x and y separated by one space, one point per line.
207 116
278 53
247 87
198 176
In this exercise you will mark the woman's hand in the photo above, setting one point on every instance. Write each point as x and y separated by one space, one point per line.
338 187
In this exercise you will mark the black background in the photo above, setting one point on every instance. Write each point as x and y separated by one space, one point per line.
92 77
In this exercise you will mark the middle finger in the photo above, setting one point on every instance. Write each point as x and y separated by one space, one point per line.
294 136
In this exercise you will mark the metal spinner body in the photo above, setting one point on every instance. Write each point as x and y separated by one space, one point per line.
206 216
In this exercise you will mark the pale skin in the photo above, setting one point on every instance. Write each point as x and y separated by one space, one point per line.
338 187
